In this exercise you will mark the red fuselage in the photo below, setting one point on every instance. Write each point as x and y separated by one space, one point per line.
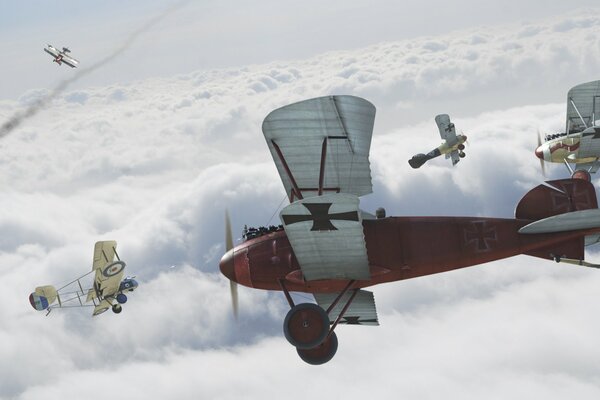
401 248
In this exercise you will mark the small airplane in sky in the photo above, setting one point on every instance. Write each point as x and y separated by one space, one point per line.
452 146
329 247
61 56
580 143
108 289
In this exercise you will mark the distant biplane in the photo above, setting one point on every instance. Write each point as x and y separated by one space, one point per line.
61 56
108 289
453 145
579 144
331 248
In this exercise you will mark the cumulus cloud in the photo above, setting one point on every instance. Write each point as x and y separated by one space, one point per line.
155 164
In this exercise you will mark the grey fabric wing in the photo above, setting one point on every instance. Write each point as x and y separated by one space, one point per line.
583 106
455 157
446 128
362 310
322 145
327 237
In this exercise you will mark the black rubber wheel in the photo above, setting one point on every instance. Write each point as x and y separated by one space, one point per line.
322 353
306 325
117 308
462 154
461 146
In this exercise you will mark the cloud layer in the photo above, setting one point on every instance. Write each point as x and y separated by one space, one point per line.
154 164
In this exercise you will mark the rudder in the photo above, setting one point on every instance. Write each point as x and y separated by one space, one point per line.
557 197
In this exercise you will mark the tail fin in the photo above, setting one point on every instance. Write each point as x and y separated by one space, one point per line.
43 297
557 197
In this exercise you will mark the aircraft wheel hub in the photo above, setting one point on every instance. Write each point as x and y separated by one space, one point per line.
306 326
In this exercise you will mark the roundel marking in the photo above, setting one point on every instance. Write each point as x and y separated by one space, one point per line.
113 269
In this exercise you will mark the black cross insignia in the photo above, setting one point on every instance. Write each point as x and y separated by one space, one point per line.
319 214
478 234
571 201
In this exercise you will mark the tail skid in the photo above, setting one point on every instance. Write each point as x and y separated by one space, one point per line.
582 263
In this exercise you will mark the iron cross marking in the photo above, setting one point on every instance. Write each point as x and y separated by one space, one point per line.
572 201
319 215
480 235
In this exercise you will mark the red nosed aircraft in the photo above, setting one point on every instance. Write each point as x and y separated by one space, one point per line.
329 247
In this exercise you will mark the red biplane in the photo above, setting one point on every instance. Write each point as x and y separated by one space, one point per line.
329 247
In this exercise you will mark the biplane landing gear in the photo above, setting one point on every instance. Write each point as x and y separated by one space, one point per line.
322 353
117 308
461 146
122 298
462 154
306 326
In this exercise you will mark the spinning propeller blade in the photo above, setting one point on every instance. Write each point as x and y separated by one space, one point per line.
228 246
542 163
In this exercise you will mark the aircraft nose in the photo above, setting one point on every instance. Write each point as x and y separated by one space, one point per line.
539 153
227 265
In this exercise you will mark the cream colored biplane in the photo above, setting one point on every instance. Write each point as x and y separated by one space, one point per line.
453 145
107 291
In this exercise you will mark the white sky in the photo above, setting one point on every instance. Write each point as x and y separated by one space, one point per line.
151 148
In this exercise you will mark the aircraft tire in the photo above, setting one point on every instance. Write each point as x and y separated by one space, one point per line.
461 146
462 154
582 174
322 353
306 326
117 308
122 298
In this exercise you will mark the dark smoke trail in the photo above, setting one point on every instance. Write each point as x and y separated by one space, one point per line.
38 105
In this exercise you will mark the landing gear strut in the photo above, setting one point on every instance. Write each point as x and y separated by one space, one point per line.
306 327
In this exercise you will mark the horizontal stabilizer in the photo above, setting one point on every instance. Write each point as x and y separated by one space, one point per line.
572 221
362 310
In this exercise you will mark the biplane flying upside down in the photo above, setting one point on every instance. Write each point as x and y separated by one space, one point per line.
61 56
108 290
331 248
452 147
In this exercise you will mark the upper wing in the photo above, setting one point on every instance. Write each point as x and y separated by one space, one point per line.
70 61
446 128
362 310
583 106
109 273
104 253
52 51
322 145
327 237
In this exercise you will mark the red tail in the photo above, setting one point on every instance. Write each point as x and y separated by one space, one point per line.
557 197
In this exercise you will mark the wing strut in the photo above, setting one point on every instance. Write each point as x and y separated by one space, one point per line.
322 170
568 166
343 312
578 113
295 190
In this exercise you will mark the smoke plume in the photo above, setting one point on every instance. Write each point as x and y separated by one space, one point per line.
20 116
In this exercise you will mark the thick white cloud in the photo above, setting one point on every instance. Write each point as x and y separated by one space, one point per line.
155 164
